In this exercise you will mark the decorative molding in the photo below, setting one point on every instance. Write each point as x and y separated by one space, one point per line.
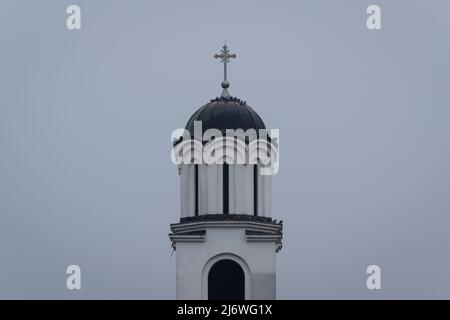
228 217
254 231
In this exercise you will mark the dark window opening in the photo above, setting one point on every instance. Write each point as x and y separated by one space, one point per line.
255 190
226 281
225 188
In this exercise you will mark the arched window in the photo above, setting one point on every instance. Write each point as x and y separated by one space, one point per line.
226 281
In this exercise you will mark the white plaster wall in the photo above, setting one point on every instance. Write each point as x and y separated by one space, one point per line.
191 258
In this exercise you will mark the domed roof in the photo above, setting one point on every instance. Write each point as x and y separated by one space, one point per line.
226 112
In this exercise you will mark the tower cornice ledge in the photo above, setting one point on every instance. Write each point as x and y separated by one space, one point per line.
229 217
255 231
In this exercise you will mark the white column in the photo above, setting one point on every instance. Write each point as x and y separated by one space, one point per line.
267 196
232 188
264 195
210 189
242 189
187 175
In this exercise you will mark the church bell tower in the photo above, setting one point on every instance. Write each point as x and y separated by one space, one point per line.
226 239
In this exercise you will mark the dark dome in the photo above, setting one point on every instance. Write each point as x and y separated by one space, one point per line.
226 113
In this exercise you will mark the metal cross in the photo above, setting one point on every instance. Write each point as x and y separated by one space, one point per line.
225 58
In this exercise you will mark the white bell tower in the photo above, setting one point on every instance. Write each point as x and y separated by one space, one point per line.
226 239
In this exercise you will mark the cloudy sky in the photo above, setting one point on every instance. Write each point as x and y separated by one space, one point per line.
86 118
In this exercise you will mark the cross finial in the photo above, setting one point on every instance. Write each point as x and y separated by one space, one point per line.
225 57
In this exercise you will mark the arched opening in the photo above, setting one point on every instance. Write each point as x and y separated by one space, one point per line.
226 281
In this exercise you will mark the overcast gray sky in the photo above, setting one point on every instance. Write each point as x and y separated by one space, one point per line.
86 118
